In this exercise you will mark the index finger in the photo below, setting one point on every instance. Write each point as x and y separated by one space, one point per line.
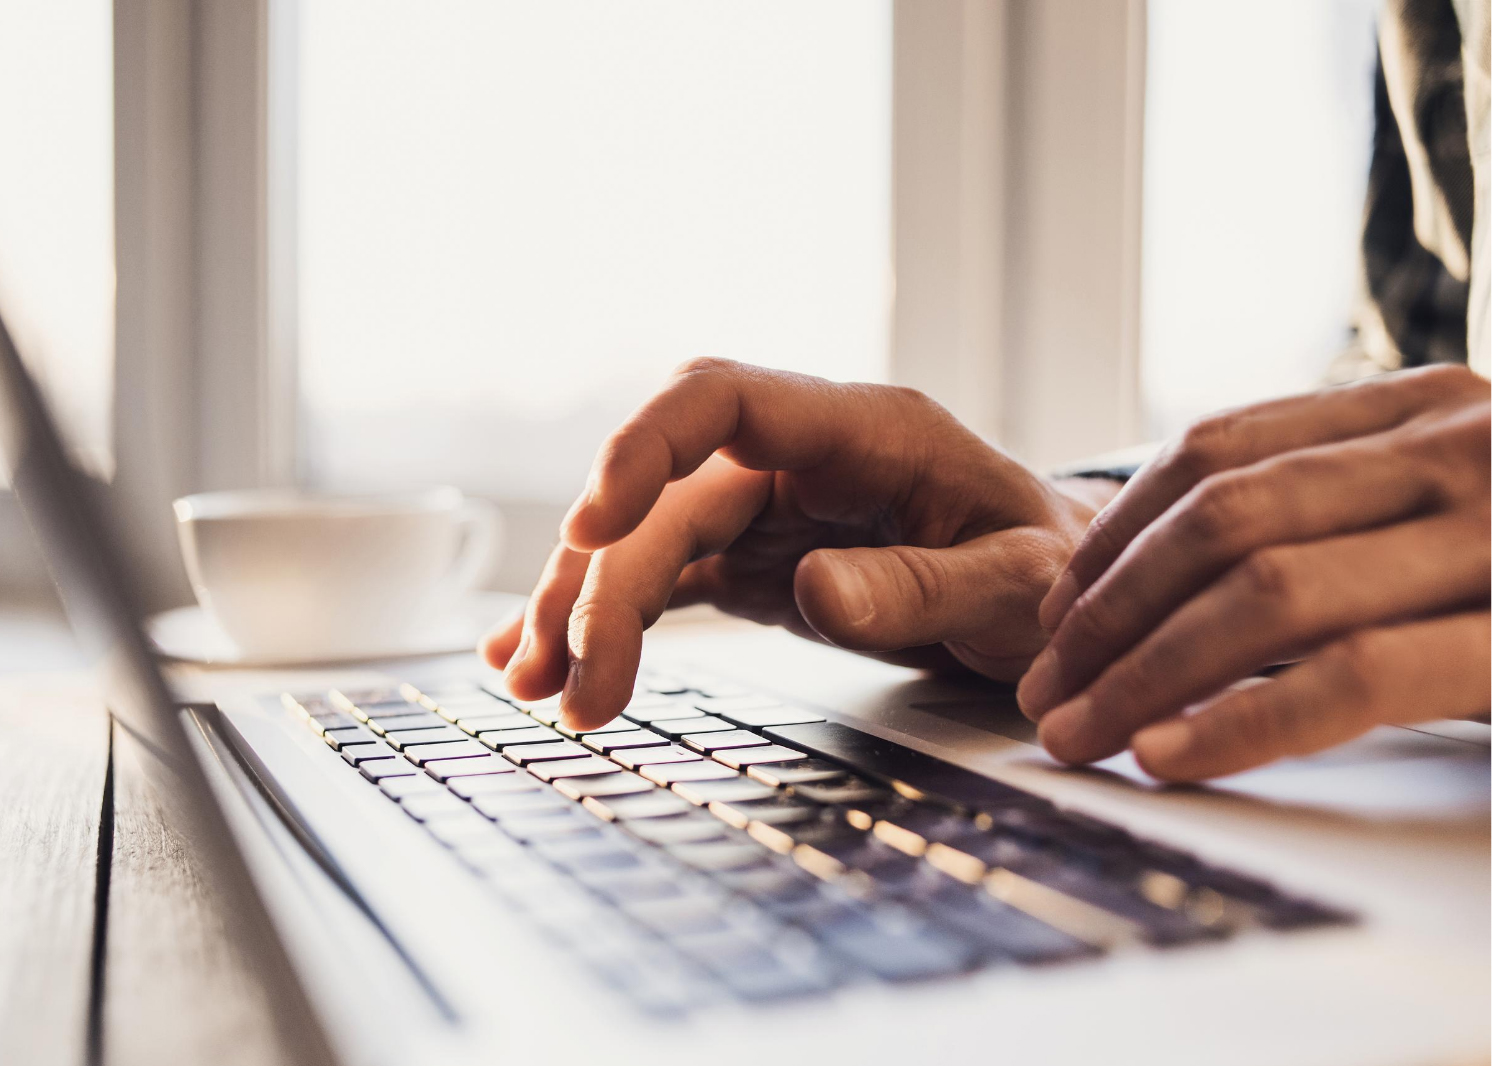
758 418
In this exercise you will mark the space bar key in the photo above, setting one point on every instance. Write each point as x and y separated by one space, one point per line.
891 761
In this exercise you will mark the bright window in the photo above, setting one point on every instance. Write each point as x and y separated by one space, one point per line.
515 218
1258 125
57 207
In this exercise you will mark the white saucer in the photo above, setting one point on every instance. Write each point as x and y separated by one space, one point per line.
187 634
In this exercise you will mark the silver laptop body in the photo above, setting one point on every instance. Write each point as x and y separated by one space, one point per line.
382 938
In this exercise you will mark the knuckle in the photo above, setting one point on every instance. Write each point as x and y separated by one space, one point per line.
1259 725
918 403
1452 455
1129 683
1102 541
1217 509
1207 446
1271 582
1352 664
705 366
925 578
1450 381
1092 621
593 614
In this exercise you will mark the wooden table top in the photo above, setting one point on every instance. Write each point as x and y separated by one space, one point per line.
161 987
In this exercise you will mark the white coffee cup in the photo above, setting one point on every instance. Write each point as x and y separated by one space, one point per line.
298 576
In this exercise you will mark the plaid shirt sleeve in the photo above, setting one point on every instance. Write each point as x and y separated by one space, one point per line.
1417 222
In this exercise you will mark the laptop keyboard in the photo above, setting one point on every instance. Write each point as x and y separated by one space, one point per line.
716 843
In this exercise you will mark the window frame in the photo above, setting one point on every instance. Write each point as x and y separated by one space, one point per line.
989 96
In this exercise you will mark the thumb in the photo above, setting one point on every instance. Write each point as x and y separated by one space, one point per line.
984 591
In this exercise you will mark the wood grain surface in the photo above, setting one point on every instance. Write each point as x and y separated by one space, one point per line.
54 744
174 989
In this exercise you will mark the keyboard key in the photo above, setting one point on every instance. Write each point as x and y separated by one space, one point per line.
601 785
454 708
897 946
719 741
760 973
524 754
397 788
481 723
571 822
406 721
712 856
1075 917
740 758
446 769
465 834
546 711
772 886
357 754
573 854
660 711
1001 930
720 705
765 716
632 885
389 709
654 978
716 687
616 725
668 773
405 738
500 805
807 771
885 759
379 769
680 915
332 720
416 749
494 784
687 828
502 738
340 738
658 803
661 683
675 729
428 805
591 766
778 810
1157 924
607 743
851 790
732 789
636 758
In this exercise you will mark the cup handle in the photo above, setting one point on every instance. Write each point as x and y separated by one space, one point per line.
481 524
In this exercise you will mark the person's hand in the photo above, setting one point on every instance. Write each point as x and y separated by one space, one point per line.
862 515
1347 528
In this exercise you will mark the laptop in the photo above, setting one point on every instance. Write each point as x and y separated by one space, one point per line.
780 852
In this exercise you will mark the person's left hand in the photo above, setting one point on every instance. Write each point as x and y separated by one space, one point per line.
1348 528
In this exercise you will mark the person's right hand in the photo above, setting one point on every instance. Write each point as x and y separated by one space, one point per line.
862 515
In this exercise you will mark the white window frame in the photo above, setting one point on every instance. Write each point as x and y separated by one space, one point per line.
1017 296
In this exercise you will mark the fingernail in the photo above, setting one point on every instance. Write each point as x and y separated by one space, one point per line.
1038 689
1162 744
1065 731
853 591
1058 601
567 695
581 503
520 652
